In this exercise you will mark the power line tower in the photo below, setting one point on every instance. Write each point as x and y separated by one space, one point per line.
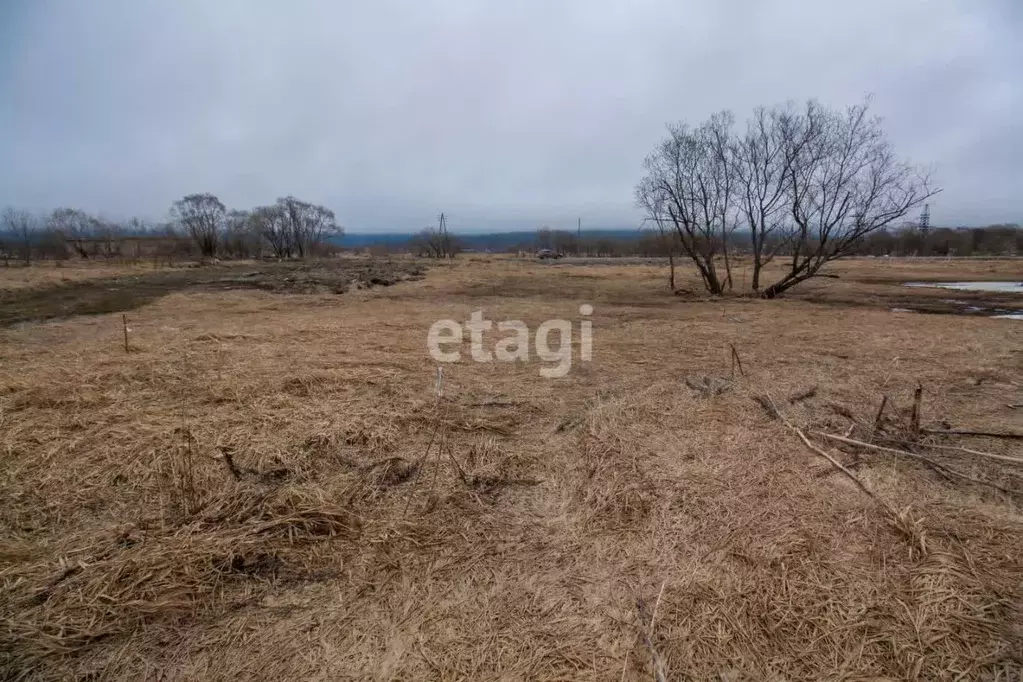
447 247
925 219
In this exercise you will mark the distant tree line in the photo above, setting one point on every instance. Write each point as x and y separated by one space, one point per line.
906 240
911 240
200 226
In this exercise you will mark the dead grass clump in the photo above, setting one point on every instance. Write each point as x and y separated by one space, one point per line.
311 385
708 386
613 491
390 472
168 573
489 466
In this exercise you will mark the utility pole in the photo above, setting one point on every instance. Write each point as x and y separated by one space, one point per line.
925 219
442 228
579 229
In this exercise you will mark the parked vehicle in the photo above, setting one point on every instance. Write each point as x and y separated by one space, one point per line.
545 254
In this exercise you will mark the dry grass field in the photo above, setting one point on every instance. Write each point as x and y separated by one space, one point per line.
266 485
16 276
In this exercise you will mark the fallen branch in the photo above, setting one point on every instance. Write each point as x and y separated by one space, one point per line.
938 466
803 395
766 403
969 432
979 453
766 400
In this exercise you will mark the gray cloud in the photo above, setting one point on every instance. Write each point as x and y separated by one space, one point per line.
502 114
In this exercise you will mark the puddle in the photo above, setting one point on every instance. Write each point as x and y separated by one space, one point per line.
969 310
998 306
998 287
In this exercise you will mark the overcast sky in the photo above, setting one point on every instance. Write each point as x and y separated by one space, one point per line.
505 114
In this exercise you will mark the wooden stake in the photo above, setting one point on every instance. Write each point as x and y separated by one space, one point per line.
918 395
880 413
736 361
124 321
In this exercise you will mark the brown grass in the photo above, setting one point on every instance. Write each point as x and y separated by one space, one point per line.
268 487
18 276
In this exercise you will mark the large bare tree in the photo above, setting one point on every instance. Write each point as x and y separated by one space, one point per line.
203 217
807 184
308 225
690 182
843 183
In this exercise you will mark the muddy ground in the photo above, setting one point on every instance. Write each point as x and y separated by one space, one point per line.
127 292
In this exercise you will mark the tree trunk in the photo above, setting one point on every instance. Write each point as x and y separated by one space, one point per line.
728 263
714 285
779 288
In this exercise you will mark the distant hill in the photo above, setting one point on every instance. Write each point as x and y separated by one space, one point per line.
496 241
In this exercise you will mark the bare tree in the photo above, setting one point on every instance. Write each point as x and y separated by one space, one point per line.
109 238
202 216
307 225
271 223
23 227
76 227
436 242
689 179
809 184
433 243
844 182
243 236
